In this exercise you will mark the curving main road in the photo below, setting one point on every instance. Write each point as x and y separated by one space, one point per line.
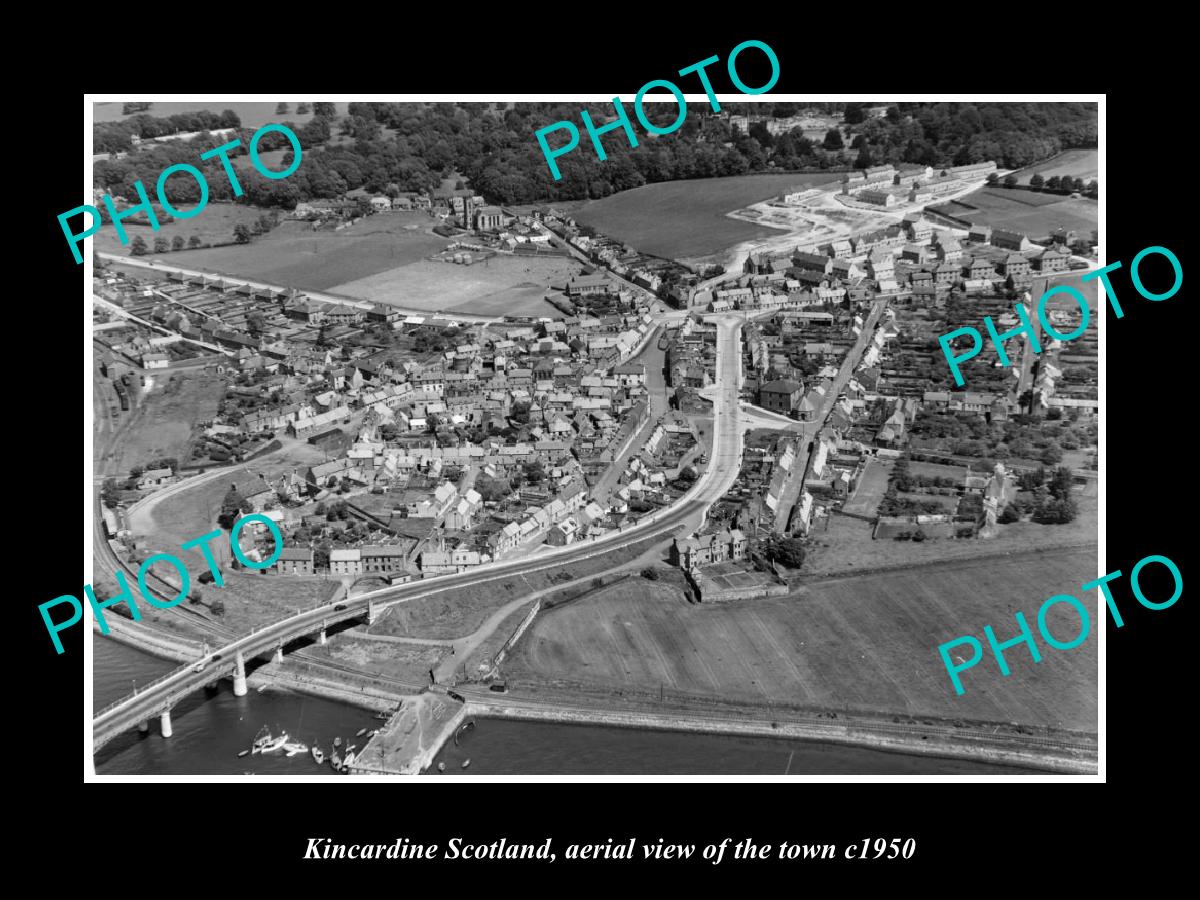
689 509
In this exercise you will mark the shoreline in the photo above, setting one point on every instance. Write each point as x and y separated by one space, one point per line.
850 734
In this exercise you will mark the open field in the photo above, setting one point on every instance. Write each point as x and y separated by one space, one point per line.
164 418
253 114
293 255
1076 163
1027 212
863 644
406 662
503 285
215 224
683 219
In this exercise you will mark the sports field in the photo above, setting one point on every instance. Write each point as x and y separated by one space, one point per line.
1033 214
500 286
293 255
862 644
686 219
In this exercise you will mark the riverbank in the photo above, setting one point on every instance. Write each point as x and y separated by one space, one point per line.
907 740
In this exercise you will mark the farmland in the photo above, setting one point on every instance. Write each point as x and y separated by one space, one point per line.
687 219
503 285
1033 214
293 255
865 644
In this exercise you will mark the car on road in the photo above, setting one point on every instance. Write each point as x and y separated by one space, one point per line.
499 687
339 607
206 578
456 696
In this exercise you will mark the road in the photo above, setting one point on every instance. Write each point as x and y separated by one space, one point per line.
713 483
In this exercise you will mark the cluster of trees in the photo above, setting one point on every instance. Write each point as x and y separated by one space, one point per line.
956 134
1046 495
113 137
788 552
233 505
395 147
1055 184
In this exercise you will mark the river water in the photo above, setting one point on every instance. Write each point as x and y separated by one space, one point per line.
210 730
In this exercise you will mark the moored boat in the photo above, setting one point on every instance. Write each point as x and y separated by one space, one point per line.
243 753
275 743
291 748
318 755
441 767
337 742
466 762
361 732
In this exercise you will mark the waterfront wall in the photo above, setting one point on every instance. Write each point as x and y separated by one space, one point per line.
859 734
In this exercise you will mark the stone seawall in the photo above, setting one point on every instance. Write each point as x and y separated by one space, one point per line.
1078 763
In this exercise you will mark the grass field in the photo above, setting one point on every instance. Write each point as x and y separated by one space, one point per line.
253 114
293 255
864 644
1083 164
503 285
684 219
1035 215
215 224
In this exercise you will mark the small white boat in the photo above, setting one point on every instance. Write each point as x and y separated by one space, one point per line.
466 762
273 744
317 754
361 732
347 761
441 767
291 748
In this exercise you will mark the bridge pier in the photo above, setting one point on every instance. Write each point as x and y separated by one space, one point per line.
370 613
278 657
144 727
322 637
165 723
239 676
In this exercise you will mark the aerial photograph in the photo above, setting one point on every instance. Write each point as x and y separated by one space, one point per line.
410 458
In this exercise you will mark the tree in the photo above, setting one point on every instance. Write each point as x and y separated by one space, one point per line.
282 109
302 109
324 110
1010 514
650 574
241 234
993 178
1010 180
789 551
177 242
1078 184
833 140
854 114
1037 181
1052 455
919 534
161 245
138 246
193 242
1093 188
1054 183
255 322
